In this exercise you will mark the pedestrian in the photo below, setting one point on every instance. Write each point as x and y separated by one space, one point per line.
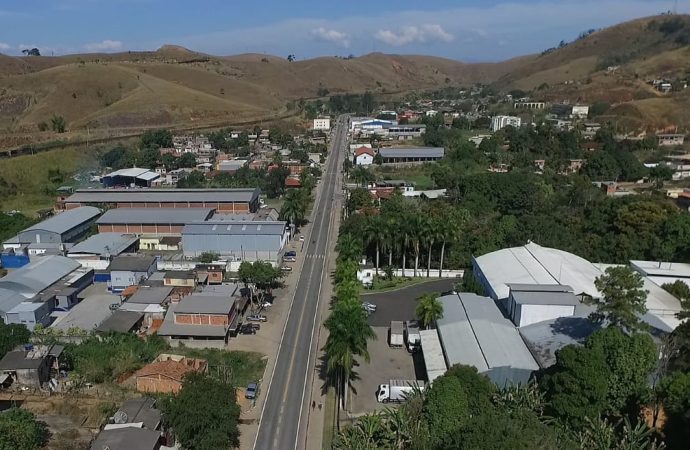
313 404
319 406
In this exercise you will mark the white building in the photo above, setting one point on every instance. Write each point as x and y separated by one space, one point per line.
364 156
580 111
499 122
322 124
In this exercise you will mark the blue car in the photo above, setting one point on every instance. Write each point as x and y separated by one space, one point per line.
291 253
250 392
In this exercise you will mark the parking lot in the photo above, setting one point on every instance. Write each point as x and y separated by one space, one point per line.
390 363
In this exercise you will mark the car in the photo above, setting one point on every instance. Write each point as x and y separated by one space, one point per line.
114 306
266 304
247 329
291 254
286 269
369 306
250 391
257 318
289 259
301 238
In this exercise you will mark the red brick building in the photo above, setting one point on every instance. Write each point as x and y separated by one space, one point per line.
166 373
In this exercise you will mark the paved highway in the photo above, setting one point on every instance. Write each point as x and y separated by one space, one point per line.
284 411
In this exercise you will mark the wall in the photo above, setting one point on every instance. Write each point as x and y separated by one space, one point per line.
528 314
202 319
198 343
120 279
158 383
39 237
366 276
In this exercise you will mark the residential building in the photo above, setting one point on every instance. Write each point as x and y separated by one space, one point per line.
98 250
500 122
133 177
322 124
670 140
473 332
236 241
579 111
210 273
180 278
31 365
225 200
160 243
166 373
128 270
121 322
408 155
151 221
58 229
364 156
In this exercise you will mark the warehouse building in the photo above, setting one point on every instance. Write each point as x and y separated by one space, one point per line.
151 221
61 228
236 241
97 251
129 270
473 332
133 177
222 200
408 155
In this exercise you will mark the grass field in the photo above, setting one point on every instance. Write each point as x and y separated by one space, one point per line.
419 175
240 368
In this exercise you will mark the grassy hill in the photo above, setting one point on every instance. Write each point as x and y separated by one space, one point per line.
124 93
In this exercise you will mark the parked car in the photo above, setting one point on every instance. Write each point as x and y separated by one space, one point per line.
289 259
370 307
257 318
250 392
247 329
291 254
266 304
286 269
301 238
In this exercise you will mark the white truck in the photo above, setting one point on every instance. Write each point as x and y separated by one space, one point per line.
396 336
397 390
412 337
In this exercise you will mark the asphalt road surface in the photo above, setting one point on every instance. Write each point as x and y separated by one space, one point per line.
282 416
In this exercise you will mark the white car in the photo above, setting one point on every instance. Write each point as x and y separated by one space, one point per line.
301 238
370 307
266 304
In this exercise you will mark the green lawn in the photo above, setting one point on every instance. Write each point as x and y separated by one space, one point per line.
419 175
381 285
240 368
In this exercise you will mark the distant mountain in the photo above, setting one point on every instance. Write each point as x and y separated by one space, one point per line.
176 87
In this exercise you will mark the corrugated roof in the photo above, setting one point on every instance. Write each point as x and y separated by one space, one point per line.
433 354
65 221
38 275
548 294
412 152
120 321
145 216
127 438
164 195
198 303
150 295
134 263
105 243
241 227
87 314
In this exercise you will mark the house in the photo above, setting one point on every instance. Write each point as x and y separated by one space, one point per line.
364 156
98 250
322 124
127 438
180 278
231 166
121 322
500 122
31 365
227 200
411 155
151 302
151 221
132 177
474 332
529 105
210 273
141 411
292 182
61 228
160 243
166 373
670 140
128 270
579 111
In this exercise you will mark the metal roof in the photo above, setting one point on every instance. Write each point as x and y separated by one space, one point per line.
434 361
474 332
38 275
142 410
67 220
134 263
198 303
150 295
129 438
662 269
105 244
87 314
120 321
239 227
164 195
154 216
535 294
412 152
544 339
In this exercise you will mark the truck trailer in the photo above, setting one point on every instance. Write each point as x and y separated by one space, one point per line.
412 337
397 390
396 336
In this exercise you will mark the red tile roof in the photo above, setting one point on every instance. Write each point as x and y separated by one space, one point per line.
292 182
364 150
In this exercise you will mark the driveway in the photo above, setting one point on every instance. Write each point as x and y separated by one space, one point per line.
400 304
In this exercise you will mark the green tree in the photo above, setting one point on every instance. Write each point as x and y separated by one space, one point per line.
349 248
378 159
446 410
204 414
294 208
187 160
681 291
429 309
11 336
194 180
358 199
623 301
19 430
208 257
375 234
675 393
660 174
58 124
157 139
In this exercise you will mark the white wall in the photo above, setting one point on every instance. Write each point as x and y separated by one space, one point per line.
529 314
364 160
96 264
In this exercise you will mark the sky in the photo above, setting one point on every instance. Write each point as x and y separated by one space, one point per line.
466 30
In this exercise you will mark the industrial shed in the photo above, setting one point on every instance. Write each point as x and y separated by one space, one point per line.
134 176
223 200
411 154
533 303
61 228
97 251
473 332
238 241
151 221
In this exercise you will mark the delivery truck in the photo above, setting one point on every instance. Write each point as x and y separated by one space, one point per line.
396 336
397 390
412 337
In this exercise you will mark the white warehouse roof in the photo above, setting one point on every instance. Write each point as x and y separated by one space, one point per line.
67 220
433 354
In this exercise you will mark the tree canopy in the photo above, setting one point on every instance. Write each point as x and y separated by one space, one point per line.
19 430
623 301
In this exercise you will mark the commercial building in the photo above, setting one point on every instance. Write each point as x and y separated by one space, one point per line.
151 221
236 241
121 322
473 332
530 105
322 124
86 315
98 250
128 270
411 154
30 314
225 200
133 177
663 272
533 303
500 122
406 132
61 228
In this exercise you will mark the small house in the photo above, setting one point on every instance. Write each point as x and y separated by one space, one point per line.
128 270
30 365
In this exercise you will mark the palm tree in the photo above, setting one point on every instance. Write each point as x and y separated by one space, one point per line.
434 233
349 248
450 230
375 233
429 309
417 235
294 207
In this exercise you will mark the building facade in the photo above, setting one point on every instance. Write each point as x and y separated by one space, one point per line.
500 122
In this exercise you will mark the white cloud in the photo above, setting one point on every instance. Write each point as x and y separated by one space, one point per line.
104 46
334 36
430 32
4 47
